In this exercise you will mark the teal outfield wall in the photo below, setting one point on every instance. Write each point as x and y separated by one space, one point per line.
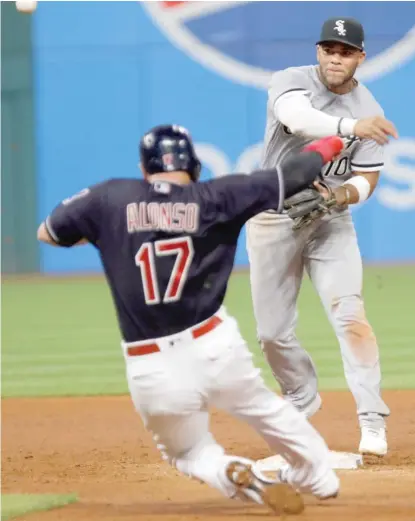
18 182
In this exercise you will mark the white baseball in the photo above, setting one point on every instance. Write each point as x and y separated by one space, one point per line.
26 6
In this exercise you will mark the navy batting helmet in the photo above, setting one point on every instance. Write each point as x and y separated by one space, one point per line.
168 148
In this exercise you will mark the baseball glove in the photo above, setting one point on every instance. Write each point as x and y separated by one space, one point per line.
309 205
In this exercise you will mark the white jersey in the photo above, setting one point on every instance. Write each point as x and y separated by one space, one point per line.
279 143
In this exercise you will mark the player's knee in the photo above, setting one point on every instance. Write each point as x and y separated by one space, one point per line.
279 339
350 320
269 348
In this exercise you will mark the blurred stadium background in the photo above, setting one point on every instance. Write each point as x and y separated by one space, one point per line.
81 81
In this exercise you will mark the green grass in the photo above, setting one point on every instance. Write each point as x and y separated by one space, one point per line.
14 505
60 336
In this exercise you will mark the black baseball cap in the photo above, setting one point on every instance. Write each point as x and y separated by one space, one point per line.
343 30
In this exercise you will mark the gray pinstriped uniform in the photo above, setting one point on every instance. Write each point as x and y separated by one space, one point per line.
327 250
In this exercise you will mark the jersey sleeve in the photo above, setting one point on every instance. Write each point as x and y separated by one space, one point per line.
77 217
287 81
368 157
238 197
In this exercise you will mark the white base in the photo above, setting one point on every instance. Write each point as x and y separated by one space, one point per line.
339 460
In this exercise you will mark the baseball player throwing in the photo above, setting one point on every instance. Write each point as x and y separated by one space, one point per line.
306 103
167 244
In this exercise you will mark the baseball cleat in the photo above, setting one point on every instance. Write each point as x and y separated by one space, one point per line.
281 498
330 496
373 442
331 492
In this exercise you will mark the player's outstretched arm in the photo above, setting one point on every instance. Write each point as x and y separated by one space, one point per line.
241 196
301 170
295 111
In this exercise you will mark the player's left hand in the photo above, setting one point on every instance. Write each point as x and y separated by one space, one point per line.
310 204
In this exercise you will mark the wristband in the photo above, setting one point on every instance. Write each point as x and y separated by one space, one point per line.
362 186
346 126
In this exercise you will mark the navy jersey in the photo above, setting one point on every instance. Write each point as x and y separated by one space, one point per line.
167 250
